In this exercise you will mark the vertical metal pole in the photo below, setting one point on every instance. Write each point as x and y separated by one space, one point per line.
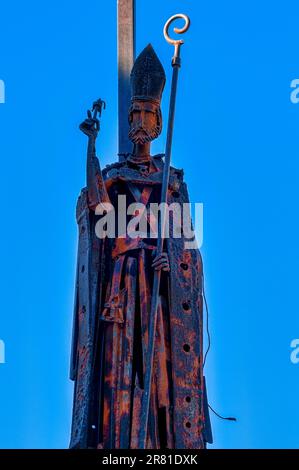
126 57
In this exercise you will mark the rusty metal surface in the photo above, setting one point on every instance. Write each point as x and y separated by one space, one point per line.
187 339
88 295
177 391
114 290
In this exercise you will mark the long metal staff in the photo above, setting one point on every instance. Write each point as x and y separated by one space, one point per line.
176 63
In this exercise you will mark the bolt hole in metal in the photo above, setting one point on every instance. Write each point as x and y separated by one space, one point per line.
188 399
186 347
186 306
188 424
82 268
184 266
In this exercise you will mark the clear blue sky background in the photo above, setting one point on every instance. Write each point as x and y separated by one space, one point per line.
236 136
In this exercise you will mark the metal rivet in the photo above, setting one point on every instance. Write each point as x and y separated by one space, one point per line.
184 266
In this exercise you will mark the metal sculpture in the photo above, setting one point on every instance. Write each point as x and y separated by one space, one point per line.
137 357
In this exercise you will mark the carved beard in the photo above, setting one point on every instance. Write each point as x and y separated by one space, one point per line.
141 135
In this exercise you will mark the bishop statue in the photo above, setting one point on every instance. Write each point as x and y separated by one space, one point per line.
114 288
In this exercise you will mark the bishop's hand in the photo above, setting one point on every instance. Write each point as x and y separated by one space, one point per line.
161 262
90 126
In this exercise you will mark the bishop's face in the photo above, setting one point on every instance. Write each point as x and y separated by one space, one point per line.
145 122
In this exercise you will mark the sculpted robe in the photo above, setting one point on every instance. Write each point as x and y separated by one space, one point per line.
112 306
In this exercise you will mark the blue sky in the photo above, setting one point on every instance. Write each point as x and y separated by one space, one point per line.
236 135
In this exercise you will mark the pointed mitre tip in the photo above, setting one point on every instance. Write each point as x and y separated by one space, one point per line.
148 50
